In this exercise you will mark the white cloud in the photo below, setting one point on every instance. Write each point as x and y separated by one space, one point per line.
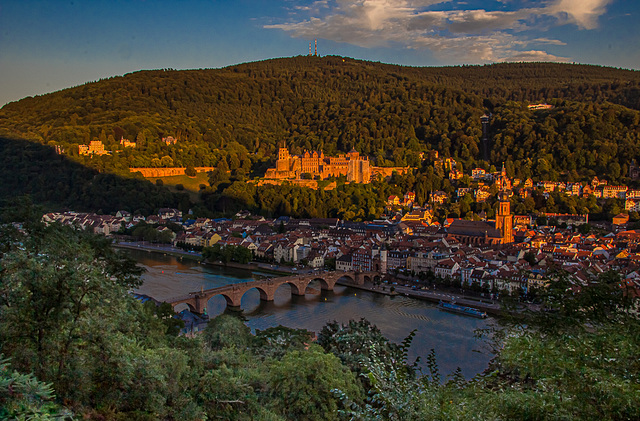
534 55
470 35
584 13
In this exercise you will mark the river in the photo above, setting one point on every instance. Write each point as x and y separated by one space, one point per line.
450 335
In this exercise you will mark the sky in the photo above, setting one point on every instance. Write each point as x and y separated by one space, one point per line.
49 45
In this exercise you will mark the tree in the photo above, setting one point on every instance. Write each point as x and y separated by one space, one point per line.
67 317
226 331
302 385
530 257
23 396
275 342
353 342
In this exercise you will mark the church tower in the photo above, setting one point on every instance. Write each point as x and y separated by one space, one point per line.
504 219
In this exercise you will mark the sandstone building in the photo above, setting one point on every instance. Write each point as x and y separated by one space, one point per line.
355 167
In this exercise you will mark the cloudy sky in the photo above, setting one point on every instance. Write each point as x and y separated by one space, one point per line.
48 45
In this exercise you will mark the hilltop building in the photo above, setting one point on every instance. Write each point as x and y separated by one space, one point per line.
127 143
535 107
355 167
95 147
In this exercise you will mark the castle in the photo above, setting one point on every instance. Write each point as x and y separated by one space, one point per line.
355 167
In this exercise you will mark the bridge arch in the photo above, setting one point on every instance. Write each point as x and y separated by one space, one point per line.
350 277
231 301
190 306
266 294
298 287
326 283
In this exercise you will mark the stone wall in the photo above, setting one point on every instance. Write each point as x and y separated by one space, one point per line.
166 172
388 171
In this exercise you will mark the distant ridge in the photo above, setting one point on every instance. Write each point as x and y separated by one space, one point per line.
387 112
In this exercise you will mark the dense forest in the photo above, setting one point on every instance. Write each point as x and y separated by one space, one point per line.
74 343
234 118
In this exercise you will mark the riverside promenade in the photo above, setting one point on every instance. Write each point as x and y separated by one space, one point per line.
432 295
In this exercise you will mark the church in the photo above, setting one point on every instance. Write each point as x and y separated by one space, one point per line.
495 232
291 167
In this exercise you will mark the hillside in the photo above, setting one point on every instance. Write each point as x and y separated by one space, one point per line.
236 116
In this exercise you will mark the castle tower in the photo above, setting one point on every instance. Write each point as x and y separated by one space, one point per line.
504 219
282 164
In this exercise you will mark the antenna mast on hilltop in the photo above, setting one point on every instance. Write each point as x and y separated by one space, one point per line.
316 49
309 49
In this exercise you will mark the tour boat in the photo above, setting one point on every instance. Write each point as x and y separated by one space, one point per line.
467 311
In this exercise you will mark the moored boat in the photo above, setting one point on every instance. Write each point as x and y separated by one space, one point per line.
467 311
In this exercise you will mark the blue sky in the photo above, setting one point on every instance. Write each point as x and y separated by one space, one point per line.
48 45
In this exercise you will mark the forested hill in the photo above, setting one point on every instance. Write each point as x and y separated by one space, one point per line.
390 113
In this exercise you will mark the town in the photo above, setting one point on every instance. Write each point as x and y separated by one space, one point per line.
510 255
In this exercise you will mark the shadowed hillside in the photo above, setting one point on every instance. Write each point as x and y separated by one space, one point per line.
58 183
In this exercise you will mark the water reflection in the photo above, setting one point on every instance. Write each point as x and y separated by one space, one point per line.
450 335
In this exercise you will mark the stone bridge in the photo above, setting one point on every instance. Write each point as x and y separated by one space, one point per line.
232 293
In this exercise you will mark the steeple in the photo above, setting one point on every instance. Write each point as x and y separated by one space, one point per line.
504 219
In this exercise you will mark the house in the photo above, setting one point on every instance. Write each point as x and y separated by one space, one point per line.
397 259
446 268
343 263
393 200
614 192
315 259
439 197
478 173
417 216
409 198
170 214
620 219
124 214
264 250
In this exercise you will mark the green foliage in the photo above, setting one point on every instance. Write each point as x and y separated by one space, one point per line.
165 313
354 342
227 254
190 171
275 342
585 375
226 331
302 383
567 306
23 397
67 317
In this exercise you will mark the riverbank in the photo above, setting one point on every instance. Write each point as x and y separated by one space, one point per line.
254 267
434 296
159 248
192 255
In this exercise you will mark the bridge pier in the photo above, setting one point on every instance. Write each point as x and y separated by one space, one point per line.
201 304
